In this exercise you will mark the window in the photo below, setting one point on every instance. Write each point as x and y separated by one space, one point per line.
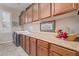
5 21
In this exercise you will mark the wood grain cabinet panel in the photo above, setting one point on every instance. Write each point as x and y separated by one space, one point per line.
35 12
62 51
42 48
64 7
27 45
52 9
26 17
29 14
32 46
42 43
24 42
53 54
44 10
23 17
41 51
78 6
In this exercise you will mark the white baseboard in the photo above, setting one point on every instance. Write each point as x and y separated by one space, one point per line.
6 42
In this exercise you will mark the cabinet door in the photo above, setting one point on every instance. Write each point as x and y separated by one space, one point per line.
26 17
78 6
27 45
32 46
23 18
53 7
42 48
64 7
44 10
24 42
41 51
29 14
35 12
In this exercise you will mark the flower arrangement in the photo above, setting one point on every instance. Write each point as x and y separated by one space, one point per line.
61 34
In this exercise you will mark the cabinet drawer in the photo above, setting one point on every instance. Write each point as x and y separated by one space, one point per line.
62 51
32 39
53 54
42 43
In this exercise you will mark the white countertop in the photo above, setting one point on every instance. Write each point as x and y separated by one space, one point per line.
51 37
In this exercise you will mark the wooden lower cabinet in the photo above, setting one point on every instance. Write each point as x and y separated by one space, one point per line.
32 46
42 48
38 47
61 50
27 44
54 54
41 51
24 42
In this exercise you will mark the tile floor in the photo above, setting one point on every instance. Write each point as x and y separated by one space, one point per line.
9 49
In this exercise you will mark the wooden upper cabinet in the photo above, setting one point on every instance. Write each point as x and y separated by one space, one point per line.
52 9
29 14
26 17
35 12
44 10
60 8
22 17
78 6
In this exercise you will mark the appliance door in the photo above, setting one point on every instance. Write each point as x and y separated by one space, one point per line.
16 39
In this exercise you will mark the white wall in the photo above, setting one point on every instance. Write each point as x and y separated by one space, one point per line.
7 37
32 27
69 24
5 32
15 22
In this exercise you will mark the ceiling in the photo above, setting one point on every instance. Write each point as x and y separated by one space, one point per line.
16 6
